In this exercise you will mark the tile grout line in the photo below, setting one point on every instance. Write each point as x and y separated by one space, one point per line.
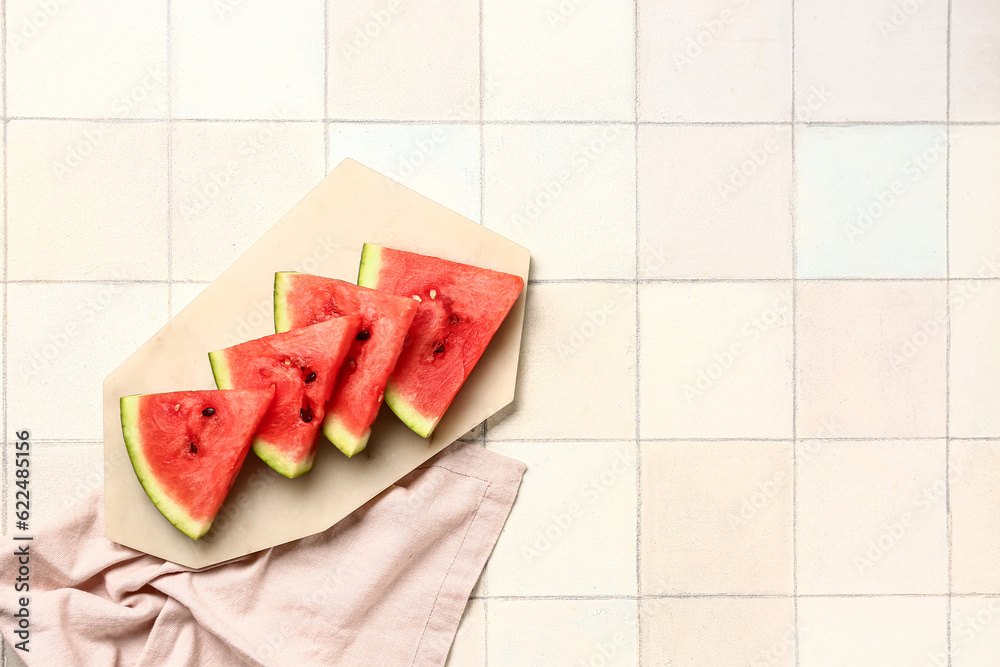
793 214
745 596
947 355
482 222
70 441
3 372
638 411
170 166
553 281
326 86
512 121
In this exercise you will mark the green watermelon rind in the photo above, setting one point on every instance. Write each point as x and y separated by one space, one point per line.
422 425
419 423
371 265
173 512
264 450
342 439
282 284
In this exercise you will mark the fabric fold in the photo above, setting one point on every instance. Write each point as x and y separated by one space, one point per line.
385 586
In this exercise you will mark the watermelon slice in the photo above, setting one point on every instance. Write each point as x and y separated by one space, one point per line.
188 446
460 307
301 300
302 365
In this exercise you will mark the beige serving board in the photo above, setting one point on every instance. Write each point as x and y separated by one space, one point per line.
322 234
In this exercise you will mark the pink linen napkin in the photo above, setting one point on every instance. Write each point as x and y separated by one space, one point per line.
386 586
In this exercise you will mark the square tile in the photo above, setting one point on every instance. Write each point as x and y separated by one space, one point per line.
975 516
907 40
975 631
716 518
721 60
68 60
716 360
871 517
718 631
576 372
231 183
60 476
558 61
181 294
870 201
572 528
975 57
260 60
871 358
834 632
469 648
86 200
389 59
719 207
72 335
974 371
541 633
438 161
974 235
567 192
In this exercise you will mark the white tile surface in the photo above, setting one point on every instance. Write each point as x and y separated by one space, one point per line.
558 61
975 52
539 633
231 182
390 59
576 377
718 631
572 528
61 476
973 235
66 60
470 640
975 631
871 517
837 44
720 206
182 294
261 59
439 161
86 200
716 360
873 631
72 335
399 87
974 372
722 60
975 506
577 178
870 201
871 359
717 518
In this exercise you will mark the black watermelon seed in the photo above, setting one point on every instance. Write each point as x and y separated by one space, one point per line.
193 448
306 414
310 377
363 335
440 348
208 412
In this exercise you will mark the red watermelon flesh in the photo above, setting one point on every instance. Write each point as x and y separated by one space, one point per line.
301 300
188 446
302 365
460 307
